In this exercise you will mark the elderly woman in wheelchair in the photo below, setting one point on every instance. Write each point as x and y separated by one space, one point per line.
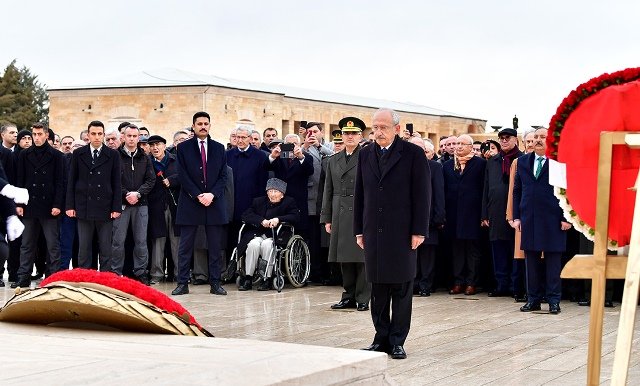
261 218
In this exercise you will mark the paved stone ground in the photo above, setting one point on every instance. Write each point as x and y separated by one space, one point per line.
457 340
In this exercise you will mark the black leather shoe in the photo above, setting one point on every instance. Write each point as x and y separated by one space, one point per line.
519 298
22 283
379 347
265 285
246 284
424 293
608 304
217 289
528 307
584 303
497 294
1 283
397 352
199 282
344 303
144 279
181 289
362 307
554 308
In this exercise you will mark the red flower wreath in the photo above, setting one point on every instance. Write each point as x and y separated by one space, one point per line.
615 109
123 284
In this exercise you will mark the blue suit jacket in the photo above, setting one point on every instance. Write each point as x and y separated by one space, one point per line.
190 210
537 208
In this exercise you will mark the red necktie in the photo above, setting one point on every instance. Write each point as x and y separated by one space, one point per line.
203 155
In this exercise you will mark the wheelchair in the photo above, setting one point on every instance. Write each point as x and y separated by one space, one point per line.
290 256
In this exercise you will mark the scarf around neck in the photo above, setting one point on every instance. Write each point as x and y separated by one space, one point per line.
507 159
460 161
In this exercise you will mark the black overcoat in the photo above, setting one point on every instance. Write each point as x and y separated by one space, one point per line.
390 205
94 187
160 197
262 209
494 200
463 198
437 215
43 177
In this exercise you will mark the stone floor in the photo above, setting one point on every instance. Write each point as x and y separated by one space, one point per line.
457 340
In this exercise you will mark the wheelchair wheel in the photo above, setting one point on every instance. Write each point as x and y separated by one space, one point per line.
297 261
229 274
278 282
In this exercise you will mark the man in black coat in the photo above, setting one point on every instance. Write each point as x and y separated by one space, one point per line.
163 203
295 170
427 250
507 270
264 214
391 219
40 171
463 187
93 195
202 170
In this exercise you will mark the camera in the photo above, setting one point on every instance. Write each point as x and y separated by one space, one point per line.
286 150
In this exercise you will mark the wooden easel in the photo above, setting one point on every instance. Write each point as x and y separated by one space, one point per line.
599 267
631 285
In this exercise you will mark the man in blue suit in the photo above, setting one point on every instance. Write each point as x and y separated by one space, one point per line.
202 170
538 216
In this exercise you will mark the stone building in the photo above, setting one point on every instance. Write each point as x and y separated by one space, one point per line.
165 100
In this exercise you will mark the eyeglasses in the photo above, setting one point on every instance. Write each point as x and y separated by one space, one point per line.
460 143
241 137
504 139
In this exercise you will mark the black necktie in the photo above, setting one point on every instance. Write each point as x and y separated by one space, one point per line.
95 155
383 150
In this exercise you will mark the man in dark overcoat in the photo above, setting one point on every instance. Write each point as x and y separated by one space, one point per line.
337 217
463 186
40 171
508 272
94 195
163 203
391 206
537 214
295 171
427 250
202 170
250 173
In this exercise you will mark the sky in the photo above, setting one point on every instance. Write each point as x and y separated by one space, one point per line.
488 59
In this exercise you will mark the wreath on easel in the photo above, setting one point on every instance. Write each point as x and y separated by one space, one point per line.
609 102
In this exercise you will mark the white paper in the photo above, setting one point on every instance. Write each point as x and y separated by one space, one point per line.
557 173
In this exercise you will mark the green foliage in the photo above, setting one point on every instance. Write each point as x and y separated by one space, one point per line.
23 100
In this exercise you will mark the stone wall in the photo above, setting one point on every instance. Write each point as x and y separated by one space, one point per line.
167 109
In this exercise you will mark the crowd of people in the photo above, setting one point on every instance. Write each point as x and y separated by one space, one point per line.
388 217
125 201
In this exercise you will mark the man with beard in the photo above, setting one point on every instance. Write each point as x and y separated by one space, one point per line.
507 271
202 170
538 216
